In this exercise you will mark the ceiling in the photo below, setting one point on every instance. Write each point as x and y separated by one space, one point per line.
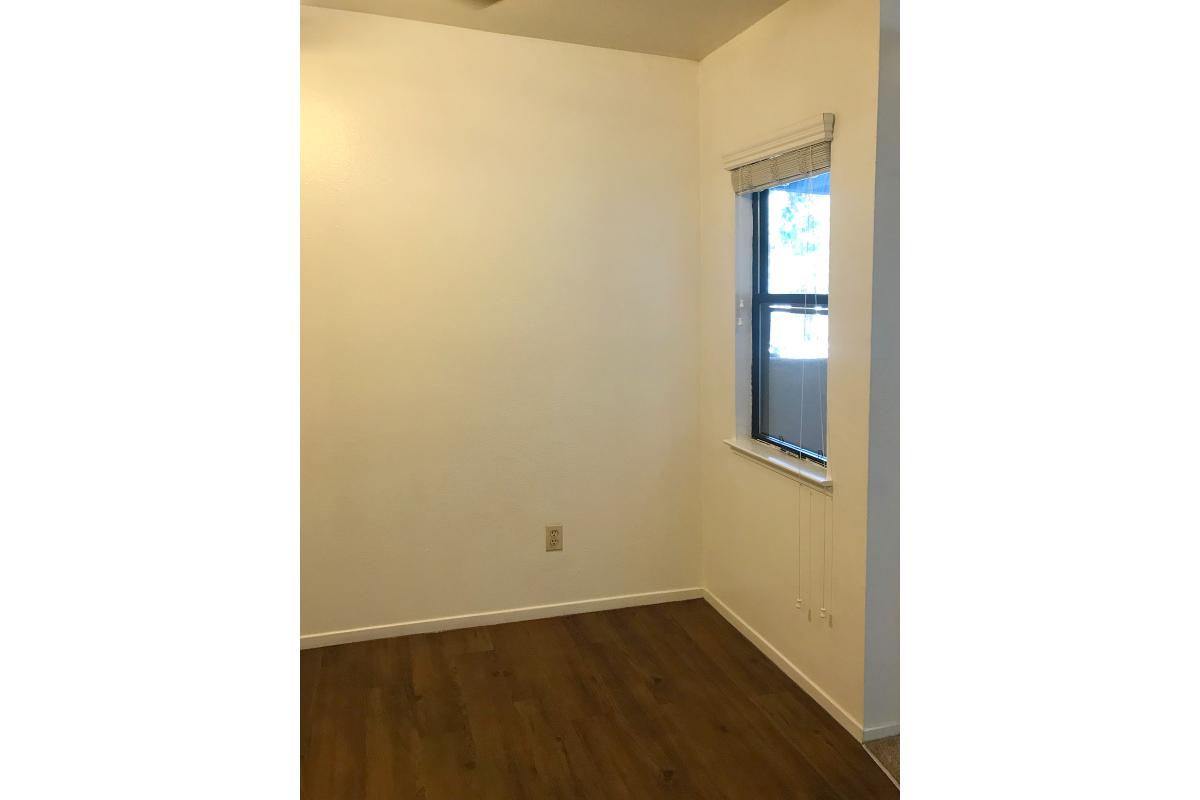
681 28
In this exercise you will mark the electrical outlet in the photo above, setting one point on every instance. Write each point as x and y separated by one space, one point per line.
554 537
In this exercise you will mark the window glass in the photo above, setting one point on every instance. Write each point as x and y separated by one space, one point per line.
798 334
798 236
791 315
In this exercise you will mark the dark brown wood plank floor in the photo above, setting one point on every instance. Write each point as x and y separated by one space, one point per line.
657 701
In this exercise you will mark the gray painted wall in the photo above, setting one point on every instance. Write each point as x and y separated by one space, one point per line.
881 703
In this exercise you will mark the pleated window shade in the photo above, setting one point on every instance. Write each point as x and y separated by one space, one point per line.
792 165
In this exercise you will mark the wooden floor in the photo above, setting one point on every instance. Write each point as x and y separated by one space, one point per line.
658 701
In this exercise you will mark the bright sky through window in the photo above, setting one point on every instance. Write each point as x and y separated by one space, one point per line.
798 244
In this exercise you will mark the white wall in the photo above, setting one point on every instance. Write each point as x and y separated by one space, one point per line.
805 58
498 321
882 679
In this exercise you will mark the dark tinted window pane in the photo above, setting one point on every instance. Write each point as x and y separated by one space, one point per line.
794 378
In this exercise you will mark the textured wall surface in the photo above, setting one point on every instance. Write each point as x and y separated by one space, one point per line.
803 59
499 298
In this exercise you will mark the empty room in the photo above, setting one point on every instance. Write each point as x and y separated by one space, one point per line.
570 399
520 400
599 308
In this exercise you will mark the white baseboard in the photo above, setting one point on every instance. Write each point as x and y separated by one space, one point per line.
496 617
791 670
873 732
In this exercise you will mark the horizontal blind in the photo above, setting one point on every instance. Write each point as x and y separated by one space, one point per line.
789 166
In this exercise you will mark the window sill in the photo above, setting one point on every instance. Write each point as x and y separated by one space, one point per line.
789 466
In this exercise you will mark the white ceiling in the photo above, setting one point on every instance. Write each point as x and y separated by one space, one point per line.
682 28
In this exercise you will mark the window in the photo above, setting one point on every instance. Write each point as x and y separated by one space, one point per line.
791 315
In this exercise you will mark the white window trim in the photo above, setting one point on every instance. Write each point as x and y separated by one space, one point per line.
786 464
817 128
